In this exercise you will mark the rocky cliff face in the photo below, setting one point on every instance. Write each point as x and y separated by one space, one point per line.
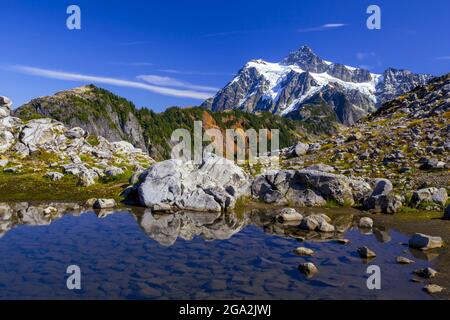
303 79
407 141
97 111
100 112
396 82
48 148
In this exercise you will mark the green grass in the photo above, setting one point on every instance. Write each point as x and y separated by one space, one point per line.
332 204
241 205
406 209
115 179
93 141
35 187
45 156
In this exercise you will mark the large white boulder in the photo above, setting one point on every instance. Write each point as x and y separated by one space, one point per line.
5 107
309 188
434 195
41 133
6 140
214 185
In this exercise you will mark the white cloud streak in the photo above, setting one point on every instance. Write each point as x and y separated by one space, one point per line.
334 25
195 73
171 82
68 76
324 27
443 58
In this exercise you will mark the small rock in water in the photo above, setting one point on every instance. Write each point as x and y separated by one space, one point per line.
425 242
302 251
366 253
89 203
426 273
317 222
50 210
433 288
289 215
308 269
343 241
366 223
403 260
104 203
325 227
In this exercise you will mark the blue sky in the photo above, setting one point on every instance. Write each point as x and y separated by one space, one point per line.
165 53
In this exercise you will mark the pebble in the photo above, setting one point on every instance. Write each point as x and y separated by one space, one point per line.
366 253
302 251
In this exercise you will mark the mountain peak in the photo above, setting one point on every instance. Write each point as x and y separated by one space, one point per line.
306 59
306 49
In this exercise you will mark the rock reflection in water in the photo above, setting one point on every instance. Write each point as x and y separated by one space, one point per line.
166 229
142 254
24 213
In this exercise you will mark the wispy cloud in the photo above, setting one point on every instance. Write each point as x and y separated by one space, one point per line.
68 76
195 73
324 27
443 58
368 60
171 82
364 55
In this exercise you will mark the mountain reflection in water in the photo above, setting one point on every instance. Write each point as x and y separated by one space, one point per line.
136 254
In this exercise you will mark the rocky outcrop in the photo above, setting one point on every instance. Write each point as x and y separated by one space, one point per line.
214 185
413 154
382 198
307 188
396 82
5 107
95 110
429 195
66 150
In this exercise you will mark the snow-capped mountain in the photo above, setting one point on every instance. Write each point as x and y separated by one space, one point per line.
303 80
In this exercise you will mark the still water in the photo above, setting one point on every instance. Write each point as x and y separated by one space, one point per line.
135 254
